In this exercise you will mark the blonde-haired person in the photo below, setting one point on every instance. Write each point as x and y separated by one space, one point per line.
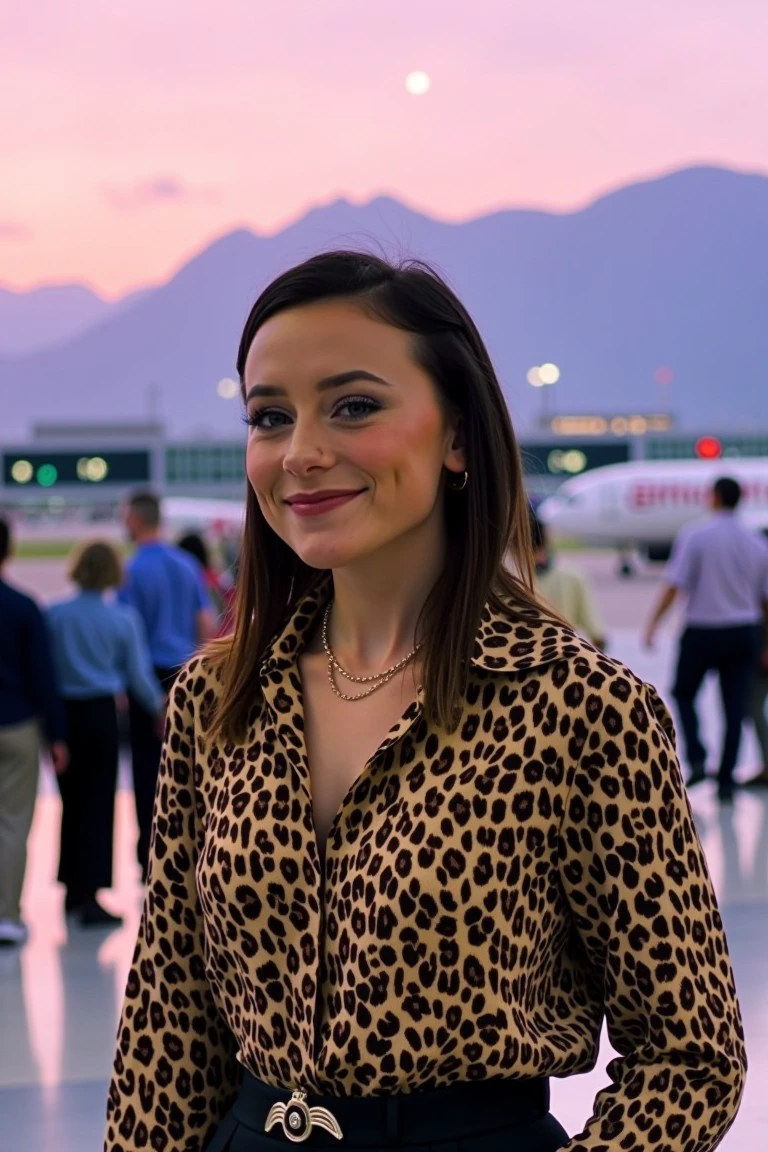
99 650
565 589
414 838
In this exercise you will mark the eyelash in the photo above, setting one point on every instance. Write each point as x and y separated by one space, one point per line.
252 418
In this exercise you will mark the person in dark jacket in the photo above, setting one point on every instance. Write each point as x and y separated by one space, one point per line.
99 650
27 696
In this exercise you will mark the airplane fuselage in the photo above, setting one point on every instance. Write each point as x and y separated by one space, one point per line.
648 502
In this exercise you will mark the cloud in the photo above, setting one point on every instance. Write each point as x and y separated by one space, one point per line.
147 193
14 230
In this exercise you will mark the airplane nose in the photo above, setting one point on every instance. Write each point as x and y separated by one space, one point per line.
552 513
547 511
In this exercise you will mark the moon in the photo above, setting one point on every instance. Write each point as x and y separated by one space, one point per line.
418 83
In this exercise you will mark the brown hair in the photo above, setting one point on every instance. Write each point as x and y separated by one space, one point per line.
96 566
486 523
146 505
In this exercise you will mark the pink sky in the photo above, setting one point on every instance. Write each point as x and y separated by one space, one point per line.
133 133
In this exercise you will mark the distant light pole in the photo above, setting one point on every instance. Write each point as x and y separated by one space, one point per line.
544 376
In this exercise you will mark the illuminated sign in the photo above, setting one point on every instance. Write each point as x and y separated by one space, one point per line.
51 469
564 460
633 425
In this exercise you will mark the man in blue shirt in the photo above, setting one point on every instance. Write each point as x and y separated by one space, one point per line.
27 696
722 568
167 588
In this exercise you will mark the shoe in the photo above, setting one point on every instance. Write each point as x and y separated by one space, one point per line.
13 932
696 775
760 780
92 915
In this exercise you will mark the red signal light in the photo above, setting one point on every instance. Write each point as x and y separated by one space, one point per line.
709 448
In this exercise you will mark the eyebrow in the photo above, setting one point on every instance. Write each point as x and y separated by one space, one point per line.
328 382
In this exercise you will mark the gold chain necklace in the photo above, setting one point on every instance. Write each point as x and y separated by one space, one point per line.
378 680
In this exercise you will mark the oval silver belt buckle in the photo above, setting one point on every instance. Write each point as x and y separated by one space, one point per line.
298 1119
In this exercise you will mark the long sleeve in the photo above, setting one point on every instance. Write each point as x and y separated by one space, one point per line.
175 1073
646 915
137 668
41 677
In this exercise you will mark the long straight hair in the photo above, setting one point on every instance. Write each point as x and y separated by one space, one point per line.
488 554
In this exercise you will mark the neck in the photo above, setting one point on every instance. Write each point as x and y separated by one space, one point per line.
377 602
148 537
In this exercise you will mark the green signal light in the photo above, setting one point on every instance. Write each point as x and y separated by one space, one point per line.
47 475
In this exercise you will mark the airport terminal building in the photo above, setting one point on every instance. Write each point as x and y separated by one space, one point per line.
91 466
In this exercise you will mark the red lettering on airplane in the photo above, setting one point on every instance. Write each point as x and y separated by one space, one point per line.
675 493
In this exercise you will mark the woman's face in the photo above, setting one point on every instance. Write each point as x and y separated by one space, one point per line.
347 440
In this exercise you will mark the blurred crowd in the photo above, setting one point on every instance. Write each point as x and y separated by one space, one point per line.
103 660
67 672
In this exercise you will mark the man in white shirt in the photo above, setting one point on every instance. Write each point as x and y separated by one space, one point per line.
722 567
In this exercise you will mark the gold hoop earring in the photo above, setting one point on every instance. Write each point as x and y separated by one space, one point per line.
462 485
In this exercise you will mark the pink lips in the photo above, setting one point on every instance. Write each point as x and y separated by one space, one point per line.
318 503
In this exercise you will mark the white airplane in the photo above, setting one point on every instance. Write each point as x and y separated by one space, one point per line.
643 505
205 514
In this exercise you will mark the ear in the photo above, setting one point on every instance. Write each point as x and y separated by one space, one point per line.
455 458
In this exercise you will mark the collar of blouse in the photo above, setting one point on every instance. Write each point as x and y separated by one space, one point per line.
502 644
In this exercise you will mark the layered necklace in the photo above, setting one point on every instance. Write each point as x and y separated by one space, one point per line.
375 682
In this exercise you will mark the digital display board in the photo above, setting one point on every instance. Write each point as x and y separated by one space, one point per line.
92 468
571 457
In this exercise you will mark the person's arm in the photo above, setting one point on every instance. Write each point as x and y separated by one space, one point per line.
677 578
43 689
137 670
645 913
175 1073
663 604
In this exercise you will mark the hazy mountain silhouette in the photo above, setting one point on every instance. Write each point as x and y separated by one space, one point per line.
673 272
52 315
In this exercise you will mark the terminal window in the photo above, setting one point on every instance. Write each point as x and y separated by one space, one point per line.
204 464
93 468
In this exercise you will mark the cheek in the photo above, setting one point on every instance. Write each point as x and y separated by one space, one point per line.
407 449
261 466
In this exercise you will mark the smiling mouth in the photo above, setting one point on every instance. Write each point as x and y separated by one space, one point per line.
317 503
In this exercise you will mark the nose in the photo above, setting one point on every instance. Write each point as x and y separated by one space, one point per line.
306 451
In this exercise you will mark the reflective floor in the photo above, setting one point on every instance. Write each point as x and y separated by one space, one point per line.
60 994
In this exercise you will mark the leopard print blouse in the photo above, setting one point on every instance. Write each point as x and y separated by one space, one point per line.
487 897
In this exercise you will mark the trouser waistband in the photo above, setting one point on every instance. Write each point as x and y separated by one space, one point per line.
450 1112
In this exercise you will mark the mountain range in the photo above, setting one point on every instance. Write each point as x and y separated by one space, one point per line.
669 272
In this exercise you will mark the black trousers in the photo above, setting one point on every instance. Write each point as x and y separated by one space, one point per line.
88 798
146 747
471 1116
732 653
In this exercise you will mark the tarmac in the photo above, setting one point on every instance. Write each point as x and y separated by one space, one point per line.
60 995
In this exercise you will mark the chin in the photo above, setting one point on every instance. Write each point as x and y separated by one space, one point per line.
326 554
324 559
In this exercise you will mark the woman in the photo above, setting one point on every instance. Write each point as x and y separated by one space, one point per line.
414 838
220 586
99 650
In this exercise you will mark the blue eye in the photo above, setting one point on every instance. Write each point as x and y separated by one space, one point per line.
266 419
358 407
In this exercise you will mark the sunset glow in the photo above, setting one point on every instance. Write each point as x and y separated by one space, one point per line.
135 134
